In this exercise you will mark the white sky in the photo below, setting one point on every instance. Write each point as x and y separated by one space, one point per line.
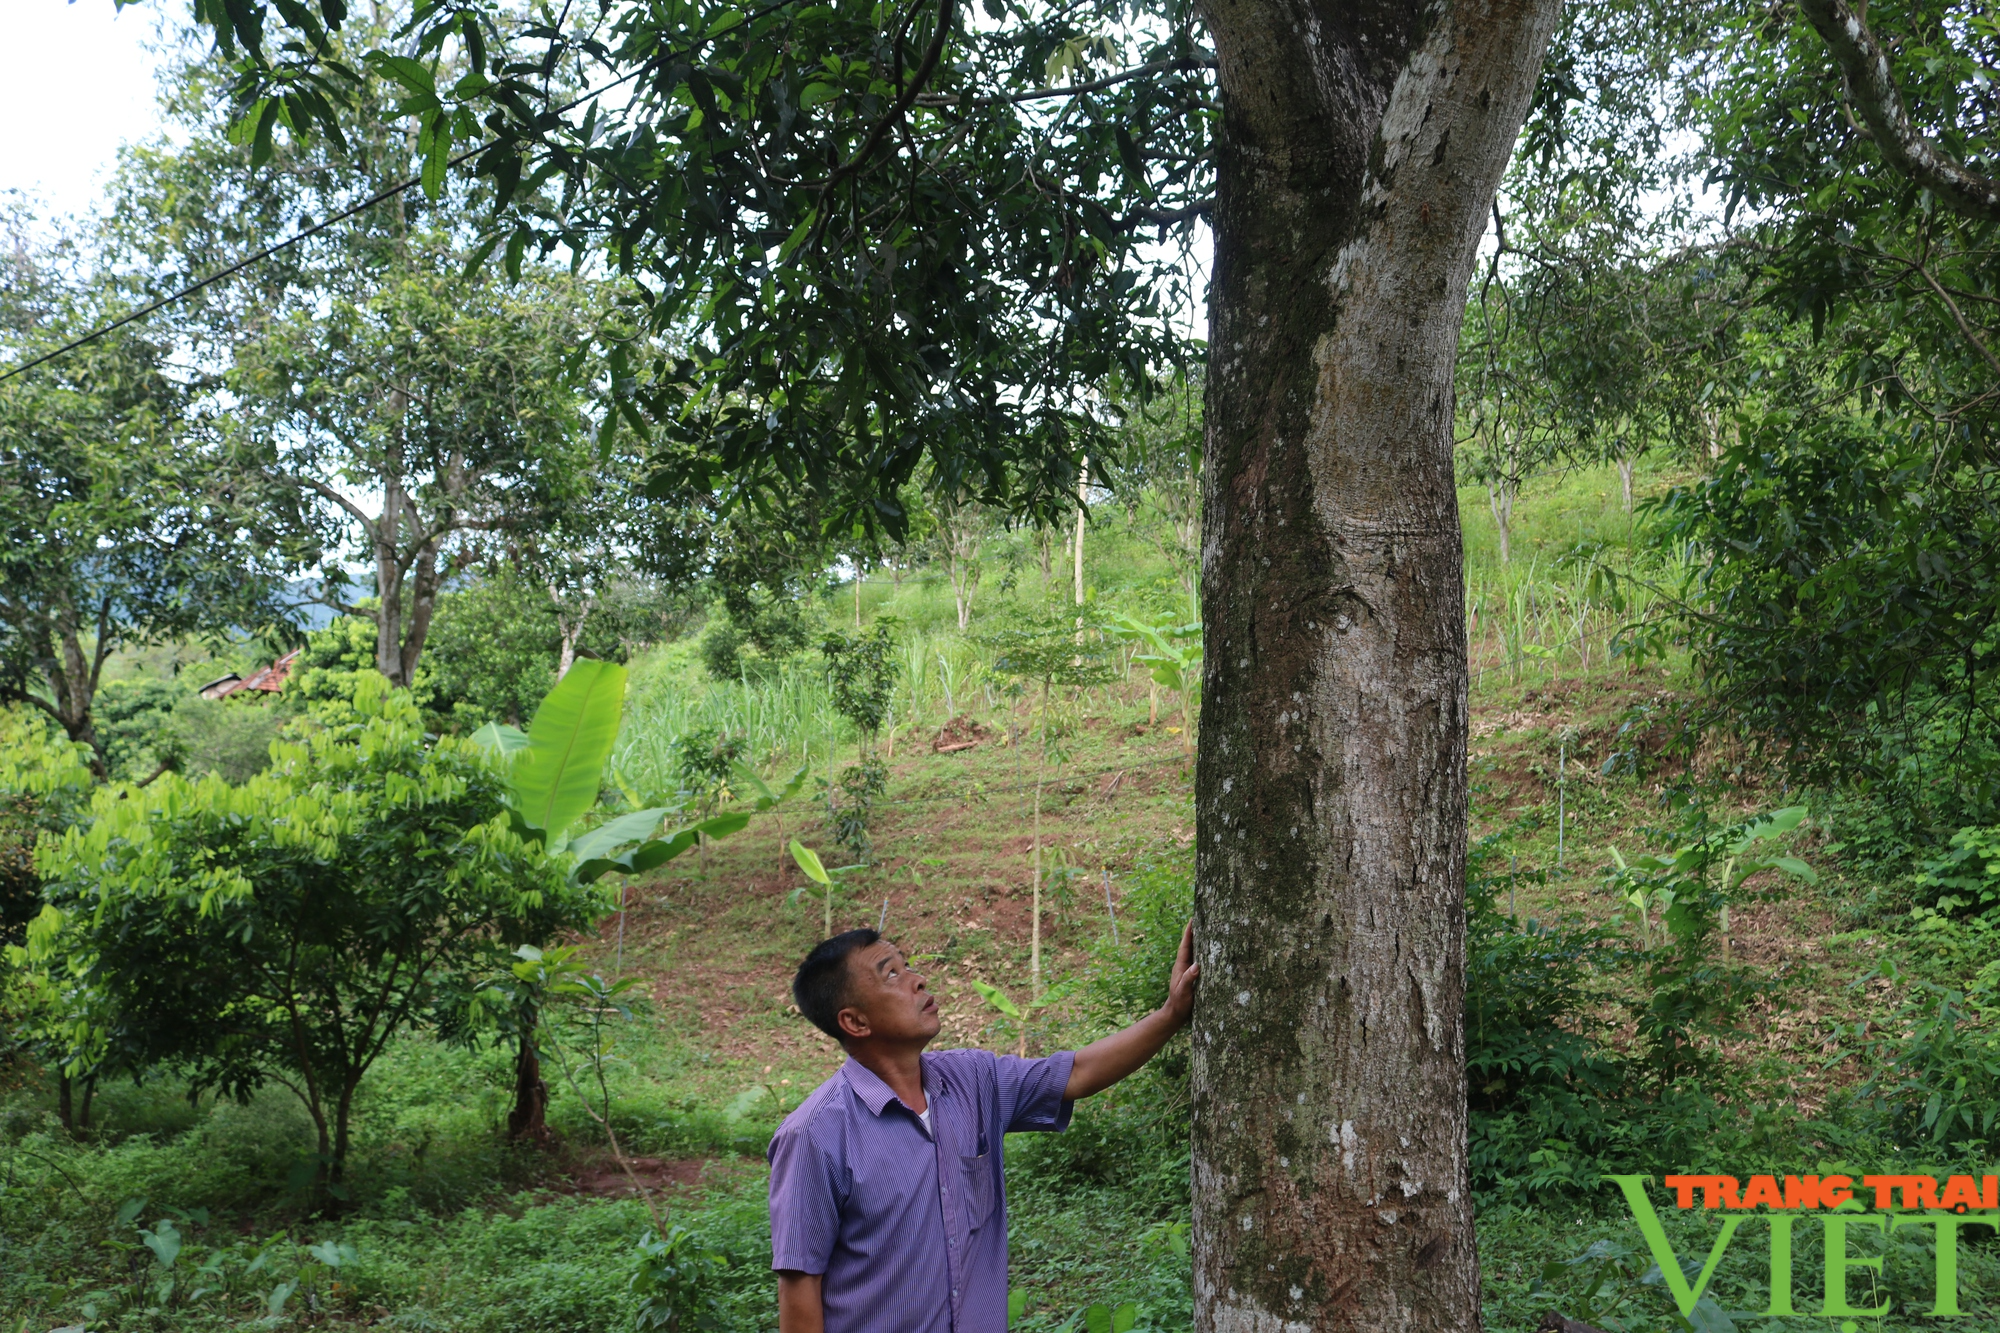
76 81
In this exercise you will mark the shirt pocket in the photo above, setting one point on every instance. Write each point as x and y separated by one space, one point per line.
976 1180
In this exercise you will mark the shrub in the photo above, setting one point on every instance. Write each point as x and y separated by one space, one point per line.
1966 875
1940 1081
850 803
45 782
286 929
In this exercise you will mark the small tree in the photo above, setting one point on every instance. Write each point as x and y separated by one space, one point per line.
707 759
1044 656
286 930
861 668
119 524
961 531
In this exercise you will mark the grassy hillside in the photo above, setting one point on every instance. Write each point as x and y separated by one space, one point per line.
448 1227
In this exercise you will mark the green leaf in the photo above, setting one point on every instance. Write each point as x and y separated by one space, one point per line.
557 777
501 739
637 826
1708 1317
164 1240
1124 1317
810 863
411 74
332 1253
1017 1305
475 43
1097 1319
998 999
748 777
815 93
1778 821
437 155
477 260
1791 865
517 246
721 826
653 855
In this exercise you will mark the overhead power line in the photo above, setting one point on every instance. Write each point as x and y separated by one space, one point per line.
304 233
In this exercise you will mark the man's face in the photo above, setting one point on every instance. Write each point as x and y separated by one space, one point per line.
885 999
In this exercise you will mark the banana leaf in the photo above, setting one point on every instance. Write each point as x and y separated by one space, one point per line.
557 777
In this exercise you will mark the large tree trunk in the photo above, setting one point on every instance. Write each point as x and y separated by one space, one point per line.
73 678
1359 151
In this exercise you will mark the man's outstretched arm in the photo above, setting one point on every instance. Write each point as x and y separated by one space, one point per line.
799 1307
1109 1059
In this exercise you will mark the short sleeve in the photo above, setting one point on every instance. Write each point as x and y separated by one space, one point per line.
805 1204
1031 1092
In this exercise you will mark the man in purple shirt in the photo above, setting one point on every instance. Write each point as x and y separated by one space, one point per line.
888 1208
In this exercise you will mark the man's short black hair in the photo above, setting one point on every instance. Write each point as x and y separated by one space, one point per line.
820 988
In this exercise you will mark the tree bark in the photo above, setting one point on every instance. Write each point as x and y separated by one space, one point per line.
570 627
1871 88
1082 494
529 1118
1500 498
343 1120
1359 150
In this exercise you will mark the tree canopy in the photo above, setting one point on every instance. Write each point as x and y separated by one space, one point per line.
120 521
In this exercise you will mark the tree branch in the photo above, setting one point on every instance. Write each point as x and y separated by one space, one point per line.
327 492
1958 318
27 697
1075 89
1166 217
947 10
1872 87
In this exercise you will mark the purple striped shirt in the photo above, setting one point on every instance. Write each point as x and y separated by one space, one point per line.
909 1228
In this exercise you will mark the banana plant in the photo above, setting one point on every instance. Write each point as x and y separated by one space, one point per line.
1022 1011
556 769
817 872
1173 659
1693 886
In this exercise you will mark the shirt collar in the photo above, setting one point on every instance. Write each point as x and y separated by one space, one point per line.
873 1092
